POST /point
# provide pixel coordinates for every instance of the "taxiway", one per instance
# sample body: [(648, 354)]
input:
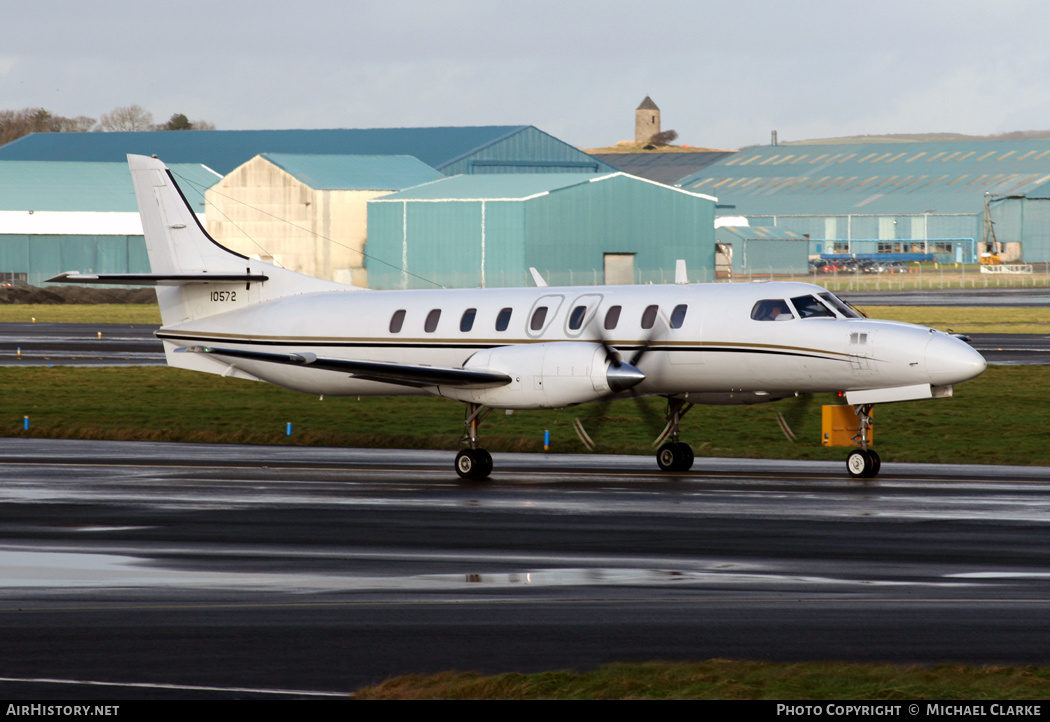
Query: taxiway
[(138, 570)]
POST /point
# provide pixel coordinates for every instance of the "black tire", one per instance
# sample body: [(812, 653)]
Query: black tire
[(473, 464), (675, 457), (686, 452), (667, 457), (876, 463)]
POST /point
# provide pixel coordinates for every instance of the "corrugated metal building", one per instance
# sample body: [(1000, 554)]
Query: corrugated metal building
[(577, 230), (307, 212), (664, 167), (57, 217), (451, 150), (892, 198), (758, 250)]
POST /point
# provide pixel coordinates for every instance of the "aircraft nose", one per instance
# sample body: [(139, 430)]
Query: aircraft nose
[(951, 361)]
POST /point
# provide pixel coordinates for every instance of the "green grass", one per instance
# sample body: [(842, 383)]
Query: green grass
[(998, 418), (144, 313), (968, 319), (723, 679)]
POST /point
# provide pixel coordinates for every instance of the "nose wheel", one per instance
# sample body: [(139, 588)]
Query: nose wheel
[(863, 463)]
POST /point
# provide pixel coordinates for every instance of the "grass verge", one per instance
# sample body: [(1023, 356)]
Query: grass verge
[(998, 418), (724, 679)]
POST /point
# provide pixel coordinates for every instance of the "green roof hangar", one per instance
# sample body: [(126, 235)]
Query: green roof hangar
[(948, 199), (470, 231)]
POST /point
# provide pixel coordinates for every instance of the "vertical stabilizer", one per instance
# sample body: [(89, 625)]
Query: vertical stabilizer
[(178, 246)]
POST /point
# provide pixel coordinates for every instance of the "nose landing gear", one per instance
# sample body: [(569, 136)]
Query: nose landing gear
[(863, 463)]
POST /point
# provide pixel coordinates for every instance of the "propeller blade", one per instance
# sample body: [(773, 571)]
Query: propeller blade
[(791, 414), (581, 432)]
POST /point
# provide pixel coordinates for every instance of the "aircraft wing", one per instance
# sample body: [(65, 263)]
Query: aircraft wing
[(386, 372)]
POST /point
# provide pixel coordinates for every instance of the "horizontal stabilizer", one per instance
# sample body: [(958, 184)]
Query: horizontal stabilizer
[(156, 279), (385, 372)]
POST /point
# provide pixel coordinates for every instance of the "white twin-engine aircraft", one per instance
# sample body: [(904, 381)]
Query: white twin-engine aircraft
[(525, 348)]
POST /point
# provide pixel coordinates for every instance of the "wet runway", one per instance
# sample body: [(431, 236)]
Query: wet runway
[(168, 570), (79, 344)]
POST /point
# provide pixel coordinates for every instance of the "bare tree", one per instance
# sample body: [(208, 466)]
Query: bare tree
[(126, 118), (16, 123)]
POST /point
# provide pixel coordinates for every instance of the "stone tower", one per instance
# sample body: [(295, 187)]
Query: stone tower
[(646, 121)]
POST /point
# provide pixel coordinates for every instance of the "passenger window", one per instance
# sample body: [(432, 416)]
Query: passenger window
[(538, 317), (678, 315), (649, 316), (467, 321), (503, 319), (576, 318), (771, 309), (810, 307), (397, 321), (612, 317), (432, 321)]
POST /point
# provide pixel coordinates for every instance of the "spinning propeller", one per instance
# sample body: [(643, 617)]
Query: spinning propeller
[(624, 376)]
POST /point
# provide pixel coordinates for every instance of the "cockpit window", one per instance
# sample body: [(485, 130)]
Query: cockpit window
[(810, 307), (772, 309), (839, 305)]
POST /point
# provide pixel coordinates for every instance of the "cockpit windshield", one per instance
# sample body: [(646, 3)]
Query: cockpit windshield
[(839, 305), (811, 307)]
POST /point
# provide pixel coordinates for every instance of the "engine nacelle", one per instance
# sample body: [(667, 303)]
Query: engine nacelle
[(547, 375)]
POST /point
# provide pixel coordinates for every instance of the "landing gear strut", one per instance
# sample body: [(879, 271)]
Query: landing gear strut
[(474, 462), (863, 463), (674, 455)]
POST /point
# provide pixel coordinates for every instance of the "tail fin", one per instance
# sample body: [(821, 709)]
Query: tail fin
[(195, 276)]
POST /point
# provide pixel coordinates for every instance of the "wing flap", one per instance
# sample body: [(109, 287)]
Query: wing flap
[(386, 372)]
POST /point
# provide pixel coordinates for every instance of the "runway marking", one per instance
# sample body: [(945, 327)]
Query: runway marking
[(188, 687)]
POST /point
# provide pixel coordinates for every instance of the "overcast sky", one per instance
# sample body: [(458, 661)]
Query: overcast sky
[(723, 73)]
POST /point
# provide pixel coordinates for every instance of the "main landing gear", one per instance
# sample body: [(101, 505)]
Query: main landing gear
[(474, 462), (863, 463), (674, 455)]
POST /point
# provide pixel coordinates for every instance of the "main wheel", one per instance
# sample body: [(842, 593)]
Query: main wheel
[(863, 463), (473, 464), (674, 456)]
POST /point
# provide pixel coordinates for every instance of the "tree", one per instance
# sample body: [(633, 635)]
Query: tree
[(16, 123), (179, 121), (661, 139), (126, 118)]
